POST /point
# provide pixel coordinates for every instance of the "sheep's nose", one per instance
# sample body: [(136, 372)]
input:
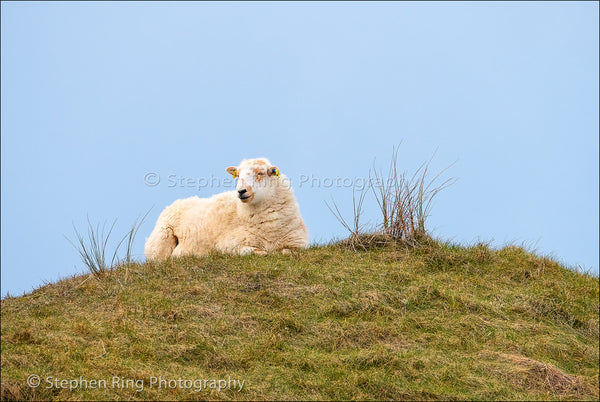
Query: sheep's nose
[(241, 192)]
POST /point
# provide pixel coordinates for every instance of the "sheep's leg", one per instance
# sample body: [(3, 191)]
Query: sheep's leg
[(245, 250), (161, 243), (181, 251)]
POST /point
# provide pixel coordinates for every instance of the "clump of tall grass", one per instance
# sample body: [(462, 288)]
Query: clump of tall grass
[(92, 247), (404, 203)]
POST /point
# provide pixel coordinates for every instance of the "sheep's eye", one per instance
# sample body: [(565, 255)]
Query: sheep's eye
[(261, 173)]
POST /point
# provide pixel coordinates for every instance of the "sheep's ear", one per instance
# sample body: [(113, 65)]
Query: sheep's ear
[(274, 170), (232, 171)]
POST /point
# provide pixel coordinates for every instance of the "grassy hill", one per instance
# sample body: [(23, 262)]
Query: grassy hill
[(437, 322)]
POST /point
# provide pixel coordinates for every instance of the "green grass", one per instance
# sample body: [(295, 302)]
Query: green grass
[(441, 321)]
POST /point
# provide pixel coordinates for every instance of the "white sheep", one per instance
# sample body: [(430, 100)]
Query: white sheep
[(261, 216)]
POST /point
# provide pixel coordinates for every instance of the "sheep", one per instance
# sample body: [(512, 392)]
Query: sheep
[(259, 217)]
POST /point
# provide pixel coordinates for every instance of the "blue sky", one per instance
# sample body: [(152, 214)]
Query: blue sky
[(97, 95)]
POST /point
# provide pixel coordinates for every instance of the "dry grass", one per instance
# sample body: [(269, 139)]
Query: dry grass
[(404, 204), (529, 373)]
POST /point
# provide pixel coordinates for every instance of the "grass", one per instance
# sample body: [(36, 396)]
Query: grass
[(404, 204), (93, 249), (389, 314), (437, 321)]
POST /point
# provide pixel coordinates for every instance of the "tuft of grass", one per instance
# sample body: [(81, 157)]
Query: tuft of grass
[(439, 322), (404, 204), (93, 248)]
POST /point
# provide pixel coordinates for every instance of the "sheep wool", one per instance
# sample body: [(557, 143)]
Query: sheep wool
[(260, 216)]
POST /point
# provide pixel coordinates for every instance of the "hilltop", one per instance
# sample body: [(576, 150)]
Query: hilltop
[(439, 321)]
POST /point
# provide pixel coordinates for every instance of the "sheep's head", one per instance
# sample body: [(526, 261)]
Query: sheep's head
[(257, 179)]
